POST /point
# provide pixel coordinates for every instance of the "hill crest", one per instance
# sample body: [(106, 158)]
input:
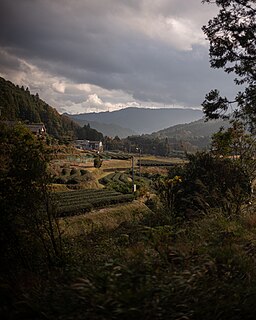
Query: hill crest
[(142, 120)]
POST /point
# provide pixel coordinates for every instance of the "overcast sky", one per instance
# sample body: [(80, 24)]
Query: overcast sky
[(99, 55)]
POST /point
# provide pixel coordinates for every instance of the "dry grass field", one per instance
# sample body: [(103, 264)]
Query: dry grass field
[(106, 218)]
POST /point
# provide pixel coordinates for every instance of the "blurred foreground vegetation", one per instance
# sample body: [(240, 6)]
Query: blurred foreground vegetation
[(190, 254)]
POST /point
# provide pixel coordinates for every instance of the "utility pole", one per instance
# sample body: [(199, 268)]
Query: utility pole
[(139, 149), (133, 184), (140, 164)]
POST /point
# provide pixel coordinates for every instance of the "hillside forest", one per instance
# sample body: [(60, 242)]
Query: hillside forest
[(18, 104)]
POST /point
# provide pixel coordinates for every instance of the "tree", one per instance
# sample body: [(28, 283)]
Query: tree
[(87, 133), (235, 142), (205, 183), (97, 162), (232, 37), (29, 232)]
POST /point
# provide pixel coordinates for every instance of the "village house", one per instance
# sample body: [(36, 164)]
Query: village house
[(89, 145), (38, 129)]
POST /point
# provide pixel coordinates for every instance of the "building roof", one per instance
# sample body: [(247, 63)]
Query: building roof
[(36, 127)]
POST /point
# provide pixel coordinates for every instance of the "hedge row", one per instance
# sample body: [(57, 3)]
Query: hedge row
[(77, 202), (154, 163), (116, 156)]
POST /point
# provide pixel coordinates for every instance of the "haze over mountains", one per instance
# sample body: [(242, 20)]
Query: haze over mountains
[(110, 130), (140, 120)]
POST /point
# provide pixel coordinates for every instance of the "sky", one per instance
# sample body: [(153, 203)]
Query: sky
[(103, 55)]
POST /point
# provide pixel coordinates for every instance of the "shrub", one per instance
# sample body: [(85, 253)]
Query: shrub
[(97, 162), (65, 171), (60, 180), (206, 182), (73, 171), (73, 181), (83, 172)]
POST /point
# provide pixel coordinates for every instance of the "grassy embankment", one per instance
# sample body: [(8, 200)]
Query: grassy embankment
[(131, 263)]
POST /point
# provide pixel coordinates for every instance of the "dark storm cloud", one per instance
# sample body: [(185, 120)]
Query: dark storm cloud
[(8, 62), (106, 43)]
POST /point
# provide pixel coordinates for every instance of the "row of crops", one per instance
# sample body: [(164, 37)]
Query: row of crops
[(117, 156), (75, 202), (71, 176), (119, 177), (154, 163), (122, 182), (118, 181)]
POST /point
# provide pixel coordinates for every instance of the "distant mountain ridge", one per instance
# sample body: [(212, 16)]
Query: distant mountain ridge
[(142, 120), (199, 128), (195, 135), (110, 130)]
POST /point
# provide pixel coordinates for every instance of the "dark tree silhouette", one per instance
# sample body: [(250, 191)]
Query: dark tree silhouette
[(232, 37)]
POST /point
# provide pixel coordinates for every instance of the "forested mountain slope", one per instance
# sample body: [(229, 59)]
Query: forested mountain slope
[(17, 103), (191, 130)]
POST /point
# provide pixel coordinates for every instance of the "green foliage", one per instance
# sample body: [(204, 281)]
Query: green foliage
[(65, 171), (73, 176), (77, 202), (154, 163), (233, 48), (73, 171), (149, 145), (222, 143), (73, 181), (97, 162), (27, 223), (83, 172), (235, 142), (204, 183), (18, 104), (145, 269), (205, 270), (122, 182), (87, 133), (118, 156)]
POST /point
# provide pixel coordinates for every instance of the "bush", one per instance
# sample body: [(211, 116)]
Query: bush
[(60, 180), (205, 183), (83, 172), (65, 171), (97, 162), (73, 171), (73, 181)]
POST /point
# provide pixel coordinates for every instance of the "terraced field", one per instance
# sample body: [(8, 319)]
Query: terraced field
[(76, 202), (118, 177), (122, 182)]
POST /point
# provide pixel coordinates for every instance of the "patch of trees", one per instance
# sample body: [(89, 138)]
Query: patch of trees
[(134, 144), (88, 133), (204, 184)]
